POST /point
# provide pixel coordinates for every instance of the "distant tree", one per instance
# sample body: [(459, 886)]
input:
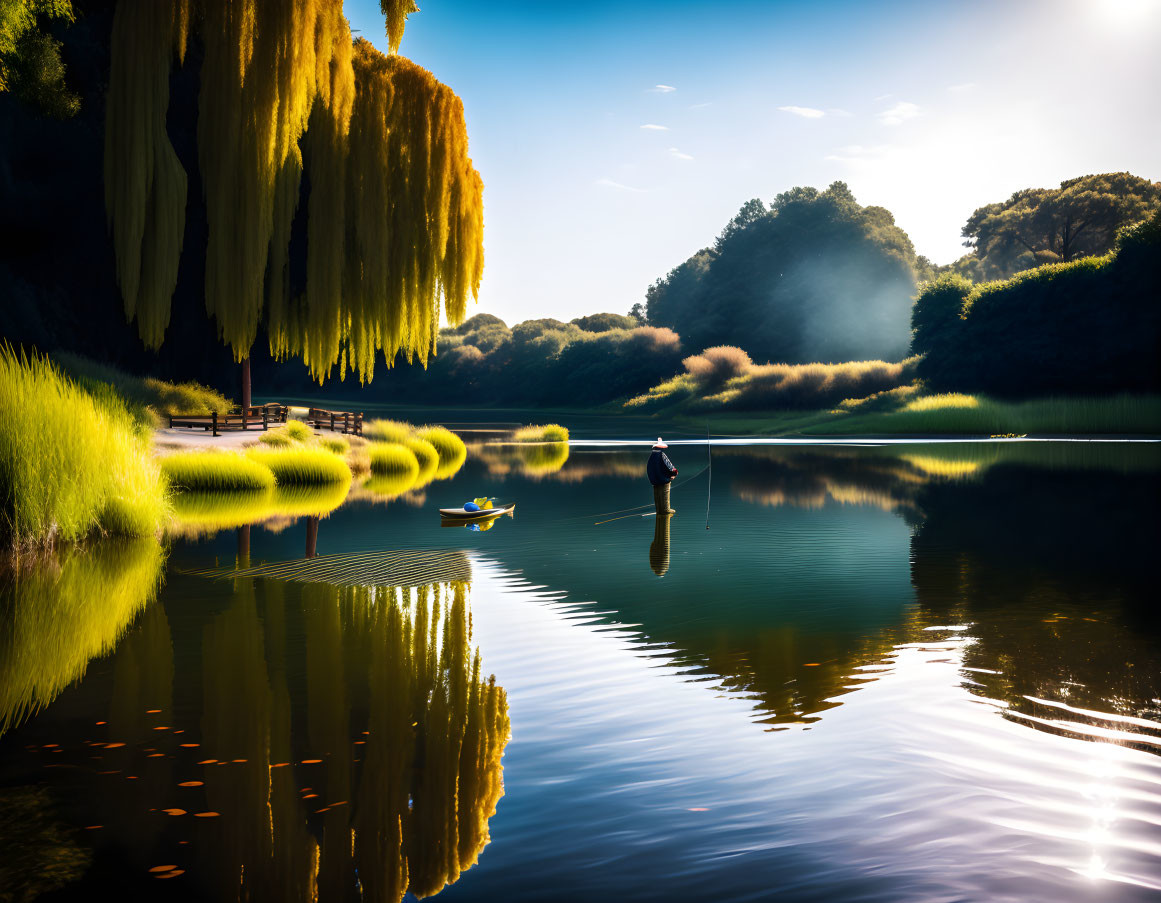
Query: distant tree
[(637, 312), (30, 62), (814, 277), (1052, 225), (604, 322), (1092, 325)]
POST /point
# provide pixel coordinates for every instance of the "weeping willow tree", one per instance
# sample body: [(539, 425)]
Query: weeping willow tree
[(394, 209)]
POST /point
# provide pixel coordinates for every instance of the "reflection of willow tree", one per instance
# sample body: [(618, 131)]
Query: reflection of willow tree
[(406, 808), (60, 610), (1055, 572), (535, 459)]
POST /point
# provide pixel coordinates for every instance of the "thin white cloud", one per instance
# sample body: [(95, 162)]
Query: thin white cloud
[(700, 106), (804, 112), (882, 97), (959, 89), (900, 113), (662, 89), (678, 155), (654, 127), (859, 153), (609, 183)]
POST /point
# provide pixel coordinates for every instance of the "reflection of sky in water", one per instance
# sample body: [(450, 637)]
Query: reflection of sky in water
[(881, 674)]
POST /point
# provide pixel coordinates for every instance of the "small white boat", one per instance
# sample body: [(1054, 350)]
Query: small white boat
[(462, 514)]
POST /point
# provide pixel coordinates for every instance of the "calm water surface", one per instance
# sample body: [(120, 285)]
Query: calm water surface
[(906, 672)]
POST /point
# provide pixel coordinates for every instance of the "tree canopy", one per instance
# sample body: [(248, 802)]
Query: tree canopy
[(30, 61), (815, 276), (1056, 225), (1087, 326), (393, 205)]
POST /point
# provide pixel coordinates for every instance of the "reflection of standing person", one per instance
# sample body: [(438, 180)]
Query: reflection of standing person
[(661, 473), (659, 548)]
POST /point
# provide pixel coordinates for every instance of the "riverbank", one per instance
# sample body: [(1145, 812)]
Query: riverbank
[(951, 415)]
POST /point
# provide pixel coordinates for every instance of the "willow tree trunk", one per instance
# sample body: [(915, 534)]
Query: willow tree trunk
[(245, 385)]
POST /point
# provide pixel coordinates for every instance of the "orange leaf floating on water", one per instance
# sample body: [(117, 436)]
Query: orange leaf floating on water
[(163, 868), (130, 777), (154, 755), (182, 843), (810, 665), (311, 761), (207, 761), (113, 745), (172, 874), (162, 727), (114, 771), (102, 722), (305, 789), (174, 811), (237, 760), (360, 742), (323, 809), (310, 796), (153, 712), (51, 745), (339, 803), (93, 827), (189, 745), (206, 814), (279, 764), (190, 784), (182, 731)]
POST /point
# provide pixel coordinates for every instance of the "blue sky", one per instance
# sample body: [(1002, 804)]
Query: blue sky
[(615, 139)]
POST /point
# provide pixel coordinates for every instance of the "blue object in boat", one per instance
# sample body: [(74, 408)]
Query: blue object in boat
[(471, 506)]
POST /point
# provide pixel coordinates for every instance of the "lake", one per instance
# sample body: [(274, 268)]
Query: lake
[(864, 671)]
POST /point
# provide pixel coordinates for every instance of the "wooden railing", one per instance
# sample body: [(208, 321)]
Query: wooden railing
[(347, 421), (263, 415)]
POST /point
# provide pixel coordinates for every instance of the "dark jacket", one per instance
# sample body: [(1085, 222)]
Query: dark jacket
[(660, 468)]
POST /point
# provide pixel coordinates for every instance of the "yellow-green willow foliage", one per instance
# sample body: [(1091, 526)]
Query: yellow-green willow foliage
[(145, 184), (411, 225), (396, 13), (395, 211)]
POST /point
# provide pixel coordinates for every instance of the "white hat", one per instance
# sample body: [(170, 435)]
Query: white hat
[(660, 444)]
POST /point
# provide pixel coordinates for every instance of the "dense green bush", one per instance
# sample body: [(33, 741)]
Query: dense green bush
[(1090, 326)]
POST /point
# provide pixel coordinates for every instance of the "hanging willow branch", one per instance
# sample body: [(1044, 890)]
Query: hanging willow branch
[(145, 185), (395, 210), (396, 13)]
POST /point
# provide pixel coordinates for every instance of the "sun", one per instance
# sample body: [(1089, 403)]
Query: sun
[(1126, 12)]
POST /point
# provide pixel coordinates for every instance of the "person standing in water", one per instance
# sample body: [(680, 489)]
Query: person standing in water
[(661, 473)]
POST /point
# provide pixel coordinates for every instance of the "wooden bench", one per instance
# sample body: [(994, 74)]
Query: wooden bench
[(347, 421), (253, 417)]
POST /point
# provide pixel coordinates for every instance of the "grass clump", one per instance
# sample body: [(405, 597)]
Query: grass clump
[(216, 471), (543, 458), (724, 379), (309, 501), (302, 466), (156, 397), (71, 463), (426, 456), (276, 439), (298, 431), (336, 445), (451, 448), (549, 432), (394, 459), (387, 430)]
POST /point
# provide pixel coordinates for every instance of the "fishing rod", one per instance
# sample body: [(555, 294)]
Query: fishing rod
[(639, 507), (709, 453)]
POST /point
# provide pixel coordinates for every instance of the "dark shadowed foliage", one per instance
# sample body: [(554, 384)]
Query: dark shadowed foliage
[(814, 277), (1089, 326), (540, 362)]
